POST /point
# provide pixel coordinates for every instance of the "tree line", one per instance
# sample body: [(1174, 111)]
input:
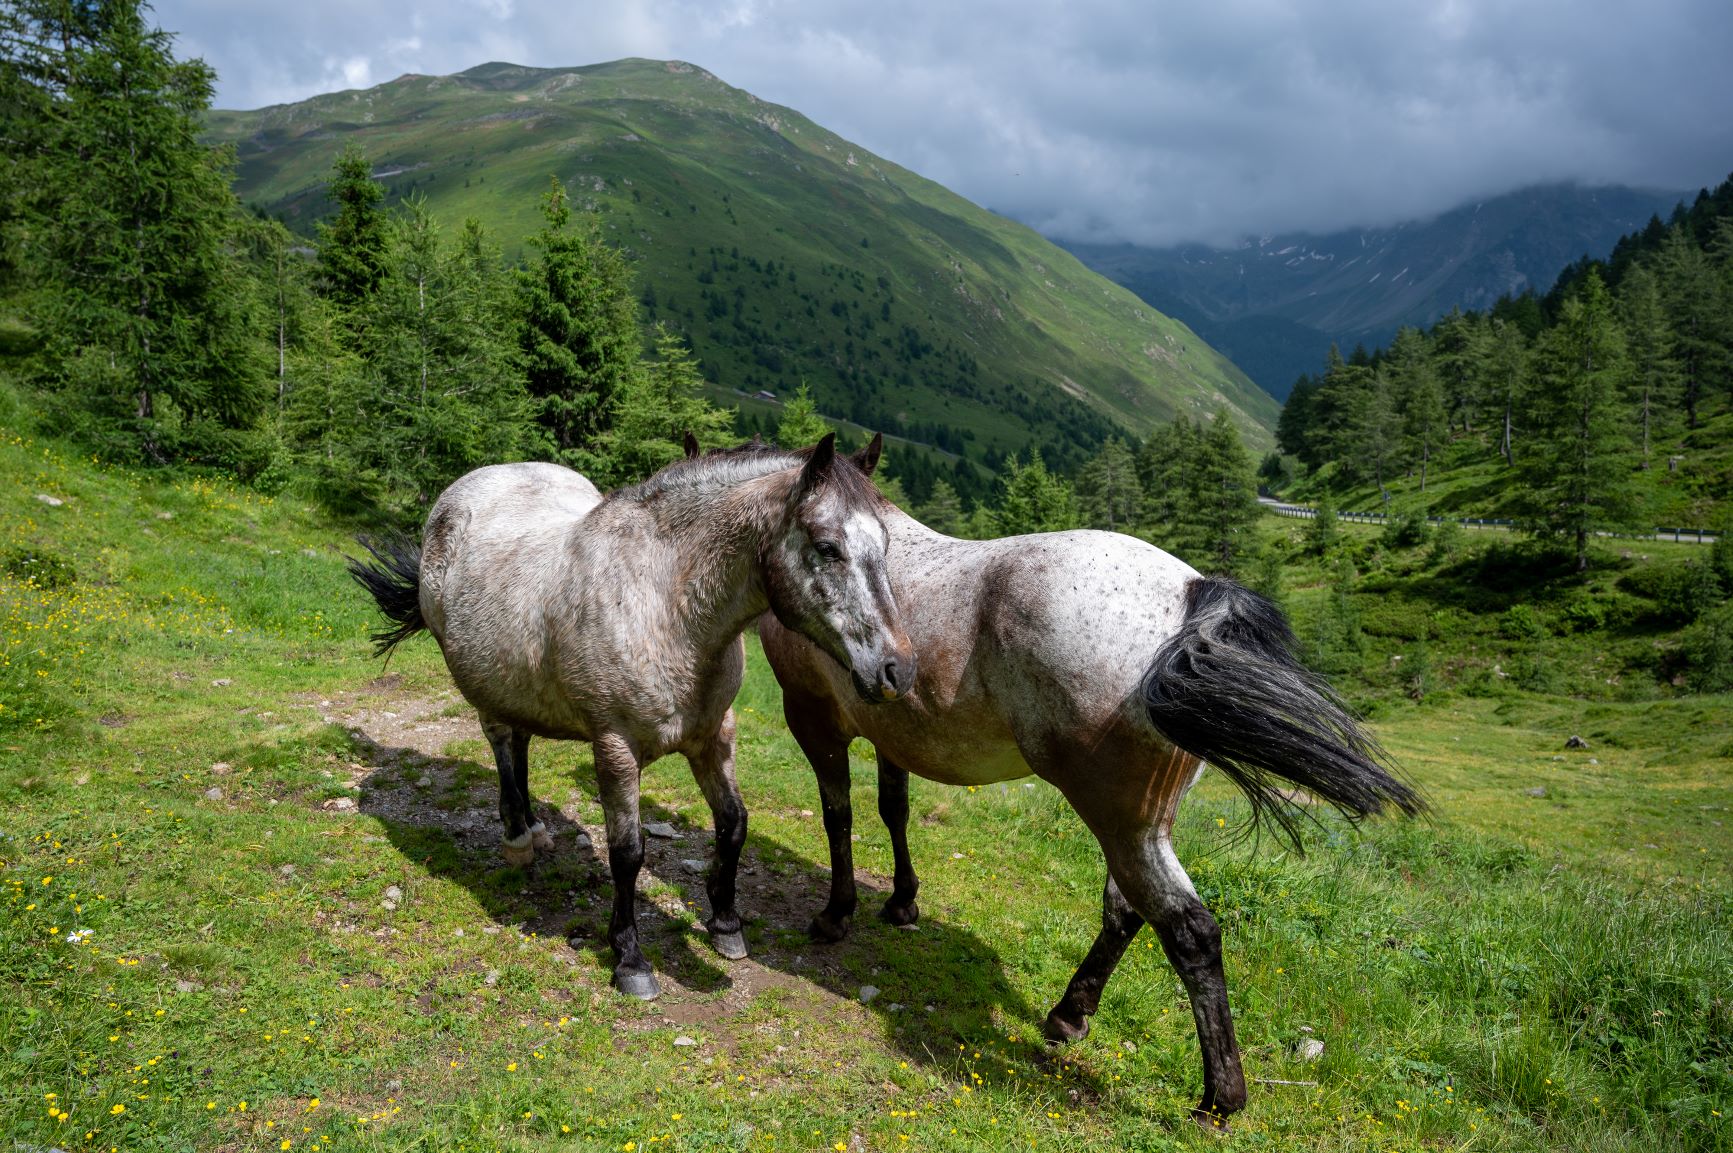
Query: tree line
[(1576, 393)]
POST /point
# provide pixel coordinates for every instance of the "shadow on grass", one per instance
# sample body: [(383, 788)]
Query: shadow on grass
[(442, 827)]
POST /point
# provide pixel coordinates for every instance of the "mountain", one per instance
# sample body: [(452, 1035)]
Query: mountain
[(1275, 304), (780, 250)]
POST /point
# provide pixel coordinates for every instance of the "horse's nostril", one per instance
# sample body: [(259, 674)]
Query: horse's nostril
[(888, 676)]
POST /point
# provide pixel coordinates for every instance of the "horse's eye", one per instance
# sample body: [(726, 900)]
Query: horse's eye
[(827, 550)]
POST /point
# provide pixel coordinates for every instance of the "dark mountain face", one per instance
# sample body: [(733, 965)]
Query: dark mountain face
[(1275, 304)]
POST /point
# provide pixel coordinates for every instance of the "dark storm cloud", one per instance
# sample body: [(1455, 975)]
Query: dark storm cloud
[(1097, 119)]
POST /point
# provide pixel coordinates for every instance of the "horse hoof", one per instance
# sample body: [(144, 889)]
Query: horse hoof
[(1062, 1032), (1210, 1121), (540, 839), (896, 914), (827, 930), (519, 856), (640, 985), (732, 946)]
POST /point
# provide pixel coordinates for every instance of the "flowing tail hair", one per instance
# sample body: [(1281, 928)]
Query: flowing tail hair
[(394, 579), (1228, 689)]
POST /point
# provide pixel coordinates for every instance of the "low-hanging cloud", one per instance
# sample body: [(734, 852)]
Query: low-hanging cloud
[(1111, 119)]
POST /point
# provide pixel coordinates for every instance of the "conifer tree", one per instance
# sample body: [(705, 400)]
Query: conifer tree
[(577, 329), (1653, 383), (1506, 371), (1168, 471), (943, 511), (1221, 522), (1458, 354), (1579, 473), (652, 411), (1033, 499), (152, 324), (1108, 491), (354, 245), (800, 426), (1419, 398), (1689, 291)]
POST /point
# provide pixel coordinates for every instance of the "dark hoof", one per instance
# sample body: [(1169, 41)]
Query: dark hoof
[(730, 945), (640, 985), (827, 929), (896, 914), (1062, 1032), (1210, 1120)]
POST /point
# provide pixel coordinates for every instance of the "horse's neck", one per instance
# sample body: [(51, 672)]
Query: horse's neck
[(717, 585)]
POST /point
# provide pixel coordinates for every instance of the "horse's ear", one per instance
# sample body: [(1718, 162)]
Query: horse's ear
[(693, 452), (818, 464), (867, 458)]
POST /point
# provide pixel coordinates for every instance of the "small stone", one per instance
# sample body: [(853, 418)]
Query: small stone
[(575, 941), (1537, 791), (165, 516), (806, 812), (661, 829), (1305, 1028), (457, 932), (692, 866), (394, 1085), (1594, 760), (213, 794), (492, 978), (867, 993), (50, 501), (286, 871), (684, 1042), (1576, 742), (1128, 1046), (423, 781), (956, 856), (929, 1009), (895, 1007), (582, 840), (220, 769), (309, 552), (1309, 1049), (339, 805), (221, 683), (393, 893), (490, 930), (388, 906), (187, 986)]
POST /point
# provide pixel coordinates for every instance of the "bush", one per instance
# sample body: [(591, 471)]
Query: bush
[(1406, 530), (38, 568), (1446, 541), (1708, 652), (1522, 623), (1582, 616)]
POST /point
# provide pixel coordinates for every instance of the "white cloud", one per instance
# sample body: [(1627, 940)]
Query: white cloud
[(1112, 118)]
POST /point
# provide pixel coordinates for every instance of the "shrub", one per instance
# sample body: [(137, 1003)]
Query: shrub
[(1406, 530), (38, 567), (1582, 616), (1446, 541), (1522, 623), (1708, 652)]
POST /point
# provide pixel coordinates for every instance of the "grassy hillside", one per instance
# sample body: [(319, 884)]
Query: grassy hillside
[(250, 899), (782, 251)]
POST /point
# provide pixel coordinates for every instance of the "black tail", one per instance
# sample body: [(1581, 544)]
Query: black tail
[(394, 579), (1228, 688)]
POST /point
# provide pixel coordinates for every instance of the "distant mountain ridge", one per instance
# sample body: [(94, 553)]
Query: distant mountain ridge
[(782, 252), (1274, 304)]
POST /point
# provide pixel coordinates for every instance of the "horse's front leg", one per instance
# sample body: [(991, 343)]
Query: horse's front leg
[(713, 766), (827, 748), (1069, 1019), (617, 773), (899, 908)]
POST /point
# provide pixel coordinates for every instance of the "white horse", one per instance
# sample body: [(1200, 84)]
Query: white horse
[(1112, 670), (617, 620)]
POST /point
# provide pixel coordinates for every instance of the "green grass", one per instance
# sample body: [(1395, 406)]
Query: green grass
[(781, 251), (1515, 973)]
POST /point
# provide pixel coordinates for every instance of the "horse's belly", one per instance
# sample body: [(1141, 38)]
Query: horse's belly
[(957, 749)]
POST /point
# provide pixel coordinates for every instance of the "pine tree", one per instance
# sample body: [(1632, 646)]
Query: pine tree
[(1507, 375), (578, 328), (1653, 383), (1033, 499), (152, 323), (1323, 530), (1167, 467), (943, 511), (1580, 471), (652, 412), (800, 426), (1458, 356), (1108, 491), (1688, 289), (1222, 521), (354, 246), (1419, 397)]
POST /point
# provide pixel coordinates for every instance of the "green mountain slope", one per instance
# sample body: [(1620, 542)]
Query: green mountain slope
[(783, 252)]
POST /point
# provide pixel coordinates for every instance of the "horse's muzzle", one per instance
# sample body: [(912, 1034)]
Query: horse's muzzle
[(896, 676)]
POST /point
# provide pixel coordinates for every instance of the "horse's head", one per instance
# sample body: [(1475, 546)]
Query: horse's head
[(825, 572)]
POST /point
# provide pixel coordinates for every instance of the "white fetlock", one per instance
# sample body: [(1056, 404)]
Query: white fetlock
[(519, 851), (540, 837)]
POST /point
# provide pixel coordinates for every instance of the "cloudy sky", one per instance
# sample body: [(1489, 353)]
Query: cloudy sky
[(1110, 119)]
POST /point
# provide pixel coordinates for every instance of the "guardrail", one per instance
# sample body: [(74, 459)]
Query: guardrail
[(1680, 535)]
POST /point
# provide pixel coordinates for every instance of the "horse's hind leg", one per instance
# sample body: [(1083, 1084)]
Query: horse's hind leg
[(900, 908), (617, 772), (713, 765), (1069, 1019), (511, 757), (520, 756)]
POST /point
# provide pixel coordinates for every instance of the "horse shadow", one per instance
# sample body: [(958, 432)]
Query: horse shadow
[(938, 984)]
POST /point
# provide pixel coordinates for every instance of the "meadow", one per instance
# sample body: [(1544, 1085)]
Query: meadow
[(251, 897)]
